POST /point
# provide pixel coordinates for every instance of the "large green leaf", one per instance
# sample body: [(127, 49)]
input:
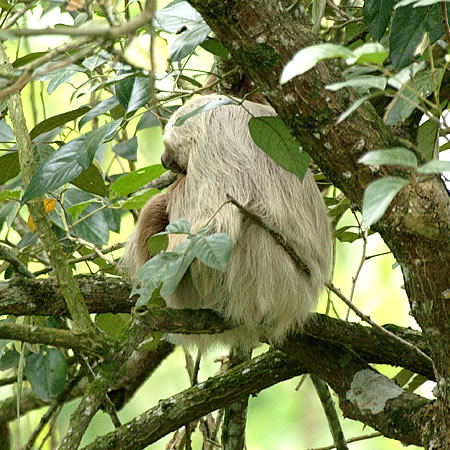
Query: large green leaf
[(410, 95), (9, 166), (53, 122), (68, 162), (148, 120), (127, 149), (435, 166), (6, 134), (273, 137), (188, 41), (378, 197), (426, 138), (47, 372), (377, 14), (94, 223), (91, 180), (93, 140), (362, 83), (398, 156), (213, 250), (407, 29), (132, 93), (97, 110), (138, 201), (132, 181), (308, 57), (59, 169)]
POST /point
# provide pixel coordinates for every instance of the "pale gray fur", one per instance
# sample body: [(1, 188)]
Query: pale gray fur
[(262, 290)]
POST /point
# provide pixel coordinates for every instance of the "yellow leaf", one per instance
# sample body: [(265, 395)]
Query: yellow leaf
[(49, 206)]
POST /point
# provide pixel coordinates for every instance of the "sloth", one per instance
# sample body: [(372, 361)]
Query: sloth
[(262, 291)]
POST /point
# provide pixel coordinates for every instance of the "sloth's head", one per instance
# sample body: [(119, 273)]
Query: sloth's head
[(194, 133)]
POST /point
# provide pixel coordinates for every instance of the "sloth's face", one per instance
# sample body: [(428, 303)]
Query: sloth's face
[(170, 163)]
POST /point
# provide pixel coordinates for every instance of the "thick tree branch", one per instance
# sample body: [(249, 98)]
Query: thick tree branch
[(51, 336), (20, 296), (394, 412)]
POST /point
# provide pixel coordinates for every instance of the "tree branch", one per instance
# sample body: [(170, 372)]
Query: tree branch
[(20, 296)]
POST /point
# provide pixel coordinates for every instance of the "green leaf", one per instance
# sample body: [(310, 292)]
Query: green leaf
[(9, 195), (371, 53), (6, 134), (346, 236), (148, 120), (407, 29), (113, 324), (59, 77), (274, 138), (127, 149), (410, 95), (352, 108), (378, 197), (68, 162), (93, 140), (97, 110), (9, 359), (377, 14), (215, 47), (416, 382), (166, 268), (26, 59), (9, 167), (403, 377), (177, 15), (213, 104), (398, 156), (59, 169), (426, 138), (435, 166), (132, 93), (47, 372), (138, 201), (76, 210), (54, 122), (95, 221), (132, 181), (177, 270), (362, 83), (308, 57), (181, 226), (158, 243), (91, 180), (213, 250), (188, 41)]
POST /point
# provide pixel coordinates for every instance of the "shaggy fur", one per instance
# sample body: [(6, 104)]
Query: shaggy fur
[(261, 291)]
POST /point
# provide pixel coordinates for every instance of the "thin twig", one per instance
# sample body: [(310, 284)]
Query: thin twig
[(445, 21), (278, 237), (330, 412), (20, 268), (367, 319), (353, 439), (358, 270)]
